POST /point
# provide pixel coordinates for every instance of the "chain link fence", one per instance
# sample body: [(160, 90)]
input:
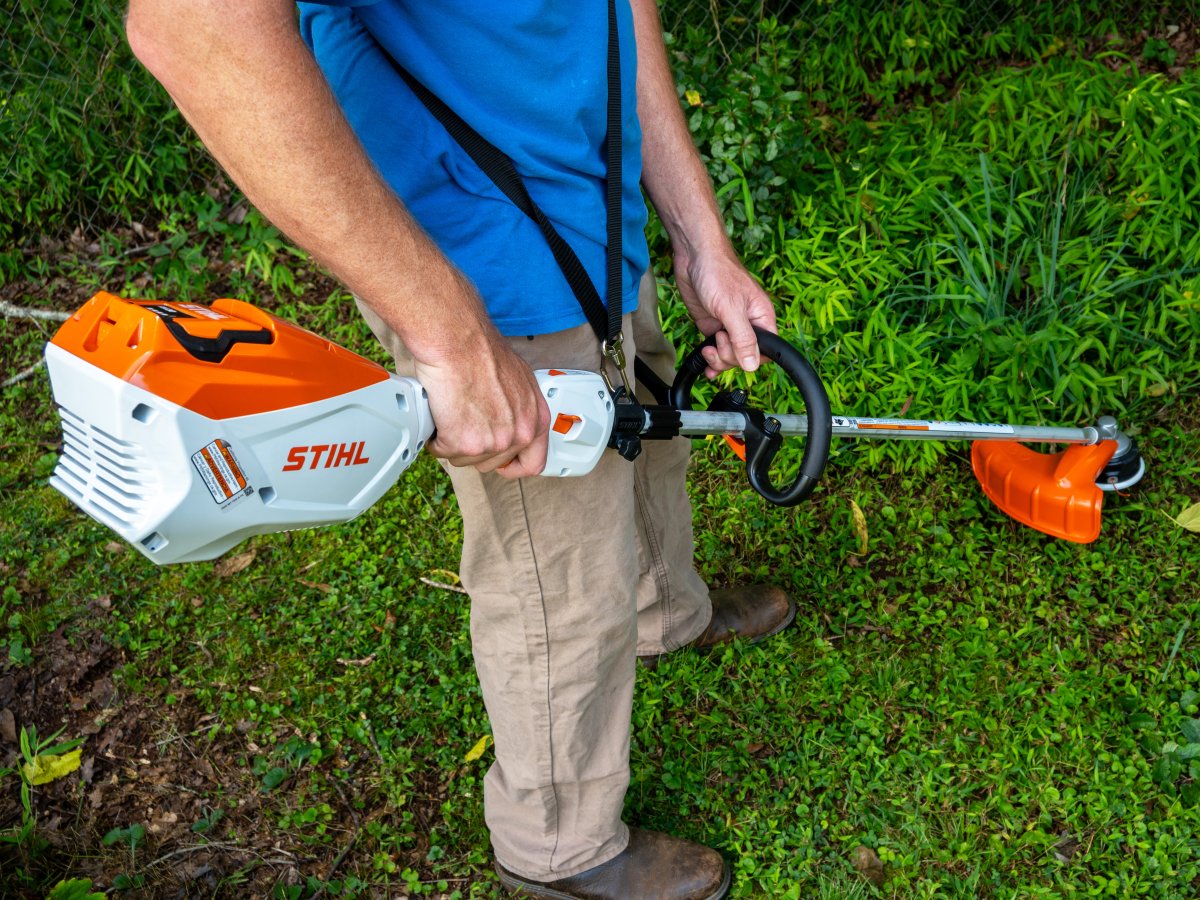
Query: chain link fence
[(87, 138)]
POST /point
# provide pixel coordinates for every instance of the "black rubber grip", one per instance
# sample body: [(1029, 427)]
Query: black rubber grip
[(761, 449), (214, 349)]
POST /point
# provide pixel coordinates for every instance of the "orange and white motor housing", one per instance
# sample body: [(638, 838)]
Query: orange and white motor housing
[(188, 428)]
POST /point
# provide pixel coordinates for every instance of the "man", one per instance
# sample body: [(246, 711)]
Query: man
[(569, 578)]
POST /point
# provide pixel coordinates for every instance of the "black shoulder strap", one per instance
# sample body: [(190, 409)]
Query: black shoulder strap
[(605, 322), (500, 169)]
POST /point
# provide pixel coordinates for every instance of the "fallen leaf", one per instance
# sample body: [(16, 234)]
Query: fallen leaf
[(114, 547), (1190, 518), (868, 864), (231, 565), (477, 751), (8, 726), (437, 584), (45, 769), (860, 527), (1066, 847), (446, 575)]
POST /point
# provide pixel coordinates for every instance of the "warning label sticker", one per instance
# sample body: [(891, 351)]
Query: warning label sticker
[(221, 472)]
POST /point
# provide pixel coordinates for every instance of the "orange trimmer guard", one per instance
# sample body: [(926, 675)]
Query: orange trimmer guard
[(1055, 493)]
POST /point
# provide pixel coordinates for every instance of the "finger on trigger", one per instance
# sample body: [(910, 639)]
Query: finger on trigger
[(530, 461), (495, 463), (745, 346)]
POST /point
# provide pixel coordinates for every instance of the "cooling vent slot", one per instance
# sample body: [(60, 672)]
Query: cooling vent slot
[(108, 477)]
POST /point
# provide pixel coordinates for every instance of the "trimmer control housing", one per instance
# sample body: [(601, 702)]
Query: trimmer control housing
[(188, 428)]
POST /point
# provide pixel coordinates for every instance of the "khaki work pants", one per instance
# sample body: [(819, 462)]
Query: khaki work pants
[(569, 578)]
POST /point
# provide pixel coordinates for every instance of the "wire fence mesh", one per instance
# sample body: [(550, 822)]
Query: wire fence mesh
[(86, 135), (88, 138)]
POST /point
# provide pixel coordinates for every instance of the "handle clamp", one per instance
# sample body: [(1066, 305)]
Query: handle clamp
[(762, 432)]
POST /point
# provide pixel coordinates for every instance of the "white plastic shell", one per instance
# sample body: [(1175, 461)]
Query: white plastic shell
[(581, 420), (180, 486)]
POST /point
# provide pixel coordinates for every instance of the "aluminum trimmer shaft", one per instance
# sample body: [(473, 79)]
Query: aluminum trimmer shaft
[(1125, 469), (696, 423)]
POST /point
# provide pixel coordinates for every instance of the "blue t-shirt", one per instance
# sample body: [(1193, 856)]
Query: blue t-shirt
[(531, 77)]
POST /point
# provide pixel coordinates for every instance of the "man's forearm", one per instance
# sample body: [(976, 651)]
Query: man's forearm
[(724, 300), (672, 171), (244, 80)]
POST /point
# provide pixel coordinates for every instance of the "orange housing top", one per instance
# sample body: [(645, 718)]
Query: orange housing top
[(222, 361)]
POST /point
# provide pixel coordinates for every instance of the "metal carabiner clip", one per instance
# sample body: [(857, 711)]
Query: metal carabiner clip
[(613, 351)]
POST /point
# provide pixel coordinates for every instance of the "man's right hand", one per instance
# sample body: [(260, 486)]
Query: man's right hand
[(488, 411)]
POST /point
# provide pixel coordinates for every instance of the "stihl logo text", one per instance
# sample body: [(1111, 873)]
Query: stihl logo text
[(326, 456)]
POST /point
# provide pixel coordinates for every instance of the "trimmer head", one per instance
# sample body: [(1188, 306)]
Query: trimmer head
[(1060, 494)]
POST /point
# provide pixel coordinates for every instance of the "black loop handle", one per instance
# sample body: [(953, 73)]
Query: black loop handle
[(761, 447)]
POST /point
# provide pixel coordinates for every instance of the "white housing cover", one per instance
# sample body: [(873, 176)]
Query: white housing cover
[(180, 486), (581, 420)]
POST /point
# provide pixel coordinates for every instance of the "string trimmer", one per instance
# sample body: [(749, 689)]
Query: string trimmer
[(188, 428)]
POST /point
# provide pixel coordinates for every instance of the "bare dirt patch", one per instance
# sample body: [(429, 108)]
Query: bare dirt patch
[(210, 828)]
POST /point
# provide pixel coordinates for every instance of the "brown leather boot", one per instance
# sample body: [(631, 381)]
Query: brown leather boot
[(654, 866), (751, 613)]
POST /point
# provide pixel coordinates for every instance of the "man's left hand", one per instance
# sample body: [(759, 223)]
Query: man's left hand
[(724, 300)]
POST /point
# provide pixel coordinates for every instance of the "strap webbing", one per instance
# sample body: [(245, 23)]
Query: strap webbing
[(500, 169), (612, 177)]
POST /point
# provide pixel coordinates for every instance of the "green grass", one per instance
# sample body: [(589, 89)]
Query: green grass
[(960, 702), (1005, 228), (962, 699)]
